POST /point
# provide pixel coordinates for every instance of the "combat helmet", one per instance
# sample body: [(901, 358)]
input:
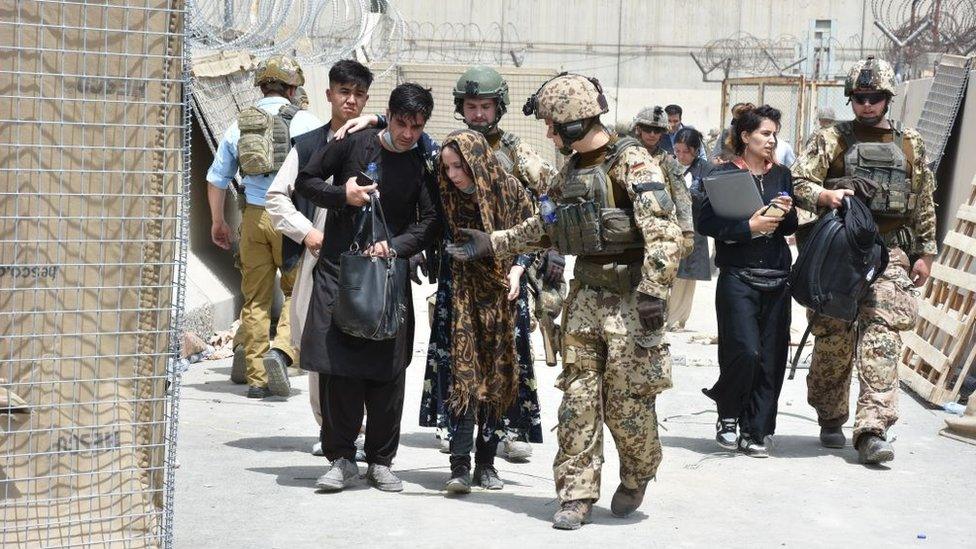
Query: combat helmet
[(651, 117), (572, 103), (481, 82), (279, 68), (870, 75)]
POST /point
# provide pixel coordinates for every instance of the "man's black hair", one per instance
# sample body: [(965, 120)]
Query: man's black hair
[(410, 99), (350, 71), (673, 109)]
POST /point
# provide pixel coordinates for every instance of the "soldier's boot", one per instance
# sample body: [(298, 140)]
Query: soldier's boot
[(872, 449), (626, 500), (572, 514), (832, 437), (238, 366)]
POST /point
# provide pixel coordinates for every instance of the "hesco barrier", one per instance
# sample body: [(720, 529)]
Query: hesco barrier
[(93, 145)]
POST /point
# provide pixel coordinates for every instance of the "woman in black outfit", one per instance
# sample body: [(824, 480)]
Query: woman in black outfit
[(752, 301)]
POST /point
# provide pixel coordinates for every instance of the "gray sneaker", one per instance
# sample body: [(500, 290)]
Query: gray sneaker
[(361, 448), (487, 477), (338, 476), (383, 478), (516, 451), (276, 367)]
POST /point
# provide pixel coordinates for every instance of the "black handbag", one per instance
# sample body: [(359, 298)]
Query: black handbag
[(371, 302)]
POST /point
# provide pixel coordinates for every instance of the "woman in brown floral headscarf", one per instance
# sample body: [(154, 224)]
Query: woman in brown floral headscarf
[(484, 377)]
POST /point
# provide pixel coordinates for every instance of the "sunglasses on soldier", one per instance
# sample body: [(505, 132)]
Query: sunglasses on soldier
[(872, 98)]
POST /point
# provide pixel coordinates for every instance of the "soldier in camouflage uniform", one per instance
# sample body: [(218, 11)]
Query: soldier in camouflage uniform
[(481, 98), (613, 211), (870, 147)]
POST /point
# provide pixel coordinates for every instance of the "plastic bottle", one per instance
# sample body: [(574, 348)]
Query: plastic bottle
[(373, 172), (548, 210), (954, 408)]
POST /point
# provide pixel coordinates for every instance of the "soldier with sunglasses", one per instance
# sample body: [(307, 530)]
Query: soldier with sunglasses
[(893, 161)]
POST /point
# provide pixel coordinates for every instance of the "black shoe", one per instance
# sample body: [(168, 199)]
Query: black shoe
[(487, 477), (276, 367), (258, 392), (872, 449), (625, 500), (832, 437), (460, 481)]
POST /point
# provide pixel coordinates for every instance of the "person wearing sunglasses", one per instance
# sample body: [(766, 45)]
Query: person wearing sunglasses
[(892, 160)]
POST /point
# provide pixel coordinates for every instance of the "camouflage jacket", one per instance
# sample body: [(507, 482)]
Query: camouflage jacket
[(654, 214), (825, 148), (674, 178), (528, 165)]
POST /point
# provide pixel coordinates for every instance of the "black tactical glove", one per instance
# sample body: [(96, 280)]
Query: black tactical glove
[(476, 245), (650, 310), (418, 266), (555, 266)]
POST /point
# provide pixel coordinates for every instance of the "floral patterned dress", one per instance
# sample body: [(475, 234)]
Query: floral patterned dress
[(522, 421)]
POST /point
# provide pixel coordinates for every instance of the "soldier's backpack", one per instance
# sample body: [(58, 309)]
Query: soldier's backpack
[(840, 259), (265, 139)]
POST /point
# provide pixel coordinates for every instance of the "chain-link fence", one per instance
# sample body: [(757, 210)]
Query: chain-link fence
[(796, 97), (222, 86), (93, 134)]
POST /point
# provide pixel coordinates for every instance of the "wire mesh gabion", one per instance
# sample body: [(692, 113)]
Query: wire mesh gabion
[(93, 228)]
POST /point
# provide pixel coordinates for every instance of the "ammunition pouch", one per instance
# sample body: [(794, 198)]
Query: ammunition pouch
[(901, 237), (620, 278), (577, 228)]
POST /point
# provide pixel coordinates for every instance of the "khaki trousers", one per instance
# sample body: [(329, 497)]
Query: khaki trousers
[(260, 250)]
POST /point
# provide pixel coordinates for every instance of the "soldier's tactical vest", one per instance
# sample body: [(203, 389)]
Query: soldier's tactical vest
[(587, 220), (265, 139), (885, 163), (506, 151)]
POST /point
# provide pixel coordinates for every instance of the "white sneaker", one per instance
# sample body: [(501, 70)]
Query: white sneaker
[(340, 473), (752, 448), (317, 449), (516, 450), (725, 433), (443, 440)]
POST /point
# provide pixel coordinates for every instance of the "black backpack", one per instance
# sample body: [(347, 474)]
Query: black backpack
[(840, 259)]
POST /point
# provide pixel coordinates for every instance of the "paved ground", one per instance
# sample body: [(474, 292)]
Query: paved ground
[(246, 477)]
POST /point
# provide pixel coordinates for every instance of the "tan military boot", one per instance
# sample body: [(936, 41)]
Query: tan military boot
[(626, 500), (572, 514)]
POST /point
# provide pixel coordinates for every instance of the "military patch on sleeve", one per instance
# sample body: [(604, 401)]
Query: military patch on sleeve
[(645, 187)]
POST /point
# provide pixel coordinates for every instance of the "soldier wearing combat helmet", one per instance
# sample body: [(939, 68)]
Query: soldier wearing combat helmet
[(609, 206), (256, 145), (481, 98), (893, 168)]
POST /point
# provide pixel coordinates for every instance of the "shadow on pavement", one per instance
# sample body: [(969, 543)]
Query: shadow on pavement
[(299, 476), (792, 446), (420, 439), (275, 444)]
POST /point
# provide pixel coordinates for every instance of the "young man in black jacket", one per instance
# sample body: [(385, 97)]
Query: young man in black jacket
[(355, 372)]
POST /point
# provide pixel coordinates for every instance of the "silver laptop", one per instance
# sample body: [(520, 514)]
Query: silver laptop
[(733, 194)]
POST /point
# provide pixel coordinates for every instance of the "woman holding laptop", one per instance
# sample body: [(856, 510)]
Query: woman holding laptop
[(752, 301)]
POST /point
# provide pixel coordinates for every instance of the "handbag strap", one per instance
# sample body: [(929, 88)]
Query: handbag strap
[(377, 219)]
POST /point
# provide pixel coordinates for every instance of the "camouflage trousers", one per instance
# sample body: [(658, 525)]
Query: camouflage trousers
[(613, 370), (874, 342)]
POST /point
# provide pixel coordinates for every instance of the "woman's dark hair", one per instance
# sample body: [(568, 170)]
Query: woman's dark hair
[(349, 71), (464, 163), (690, 137), (409, 99), (749, 121)]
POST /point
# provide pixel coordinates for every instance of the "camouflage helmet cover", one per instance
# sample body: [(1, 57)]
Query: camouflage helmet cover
[(279, 68), (481, 82), (651, 117), (870, 75), (568, 98)]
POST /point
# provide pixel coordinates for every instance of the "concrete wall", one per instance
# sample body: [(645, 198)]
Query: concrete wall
[(653, 40), (958, 167)]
